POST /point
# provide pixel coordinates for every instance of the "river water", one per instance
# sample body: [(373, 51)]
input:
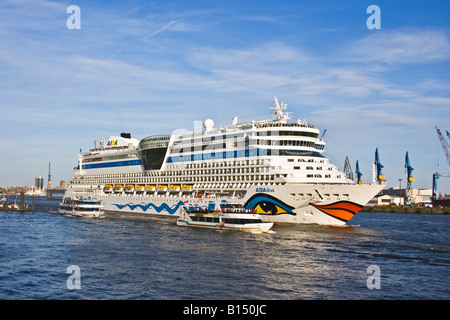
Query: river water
[(378, 256)]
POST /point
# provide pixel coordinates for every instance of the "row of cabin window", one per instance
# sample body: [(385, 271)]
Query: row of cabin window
[(293, 143), (227, 137), (217, 146), (226, 220), (312, 168)]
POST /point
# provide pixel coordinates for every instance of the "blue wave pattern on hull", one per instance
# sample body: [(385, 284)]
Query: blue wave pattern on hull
[(145, 207)]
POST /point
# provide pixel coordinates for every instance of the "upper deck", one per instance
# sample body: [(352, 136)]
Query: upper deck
[(275, 150), (276, 137)]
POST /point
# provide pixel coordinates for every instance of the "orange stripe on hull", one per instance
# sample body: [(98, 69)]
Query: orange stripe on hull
[(341, 205), (340, 214), (340, 210)]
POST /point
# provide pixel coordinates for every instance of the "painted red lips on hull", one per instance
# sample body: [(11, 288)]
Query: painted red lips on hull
[(342, 210)]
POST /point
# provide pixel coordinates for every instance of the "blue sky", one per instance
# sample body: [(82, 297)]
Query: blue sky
[(150, 67)]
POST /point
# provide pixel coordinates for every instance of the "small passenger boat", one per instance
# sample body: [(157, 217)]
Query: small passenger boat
[(227, 218), (81, 207)]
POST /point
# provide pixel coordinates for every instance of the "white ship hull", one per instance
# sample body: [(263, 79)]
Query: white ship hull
[(72, 213), (311, 204), (273, 167)]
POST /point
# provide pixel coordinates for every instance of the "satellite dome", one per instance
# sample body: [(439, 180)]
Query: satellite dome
[(209, 124)]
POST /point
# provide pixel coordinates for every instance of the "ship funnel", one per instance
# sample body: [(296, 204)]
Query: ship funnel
[(126, 135), (235, 120)]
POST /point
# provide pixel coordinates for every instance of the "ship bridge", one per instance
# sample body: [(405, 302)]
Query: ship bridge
[(153, 150)]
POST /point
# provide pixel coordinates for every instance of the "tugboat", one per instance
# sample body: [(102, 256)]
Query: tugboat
[(228, 217), (81, 207)]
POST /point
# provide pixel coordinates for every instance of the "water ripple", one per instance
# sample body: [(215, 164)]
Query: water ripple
[(135, 257)]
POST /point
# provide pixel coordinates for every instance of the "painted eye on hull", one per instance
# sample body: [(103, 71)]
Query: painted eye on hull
[(267, 204), (265, 207)]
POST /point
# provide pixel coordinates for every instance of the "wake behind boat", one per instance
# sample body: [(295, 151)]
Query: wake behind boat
[(229, 217), (81, 207)]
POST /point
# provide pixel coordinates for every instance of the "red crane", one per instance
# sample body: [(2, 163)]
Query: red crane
[(444, 145)]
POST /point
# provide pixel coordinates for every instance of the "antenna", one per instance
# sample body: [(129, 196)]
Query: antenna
[(279, 115), (323, 134)]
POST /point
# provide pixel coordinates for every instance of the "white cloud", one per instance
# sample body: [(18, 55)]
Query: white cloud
[(269, 56), (32, 15), (401, 46), (437, 101), (279, 67)]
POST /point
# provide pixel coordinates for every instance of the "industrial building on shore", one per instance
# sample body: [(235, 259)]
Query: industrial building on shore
[(398, 197)]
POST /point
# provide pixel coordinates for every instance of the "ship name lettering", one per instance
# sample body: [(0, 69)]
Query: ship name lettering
[(264, 190)]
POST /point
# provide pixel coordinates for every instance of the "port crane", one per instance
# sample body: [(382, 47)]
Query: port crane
[(358, 173), (410, 179), (348, 169), (49, 181), (444, 144), (436, 175), (378, 166)]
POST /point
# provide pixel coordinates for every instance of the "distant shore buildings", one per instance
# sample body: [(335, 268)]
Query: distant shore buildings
[(39, 183), (36, 190), (397, 196)]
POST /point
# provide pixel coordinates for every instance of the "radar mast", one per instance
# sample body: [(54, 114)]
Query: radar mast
[(279, 115)]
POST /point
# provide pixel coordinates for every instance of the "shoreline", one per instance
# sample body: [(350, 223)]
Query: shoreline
[(419, 210)]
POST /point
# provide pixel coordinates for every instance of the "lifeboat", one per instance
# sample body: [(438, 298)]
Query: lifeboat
[(129, 188), (187, 188), (174, 188), (118, 188), (161, 188), (150, 188), (139, 188), (108, 188)]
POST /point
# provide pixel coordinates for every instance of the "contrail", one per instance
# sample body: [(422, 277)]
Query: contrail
[(161, 29)]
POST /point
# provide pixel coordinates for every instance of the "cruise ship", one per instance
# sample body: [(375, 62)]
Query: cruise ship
[(275, 168)]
